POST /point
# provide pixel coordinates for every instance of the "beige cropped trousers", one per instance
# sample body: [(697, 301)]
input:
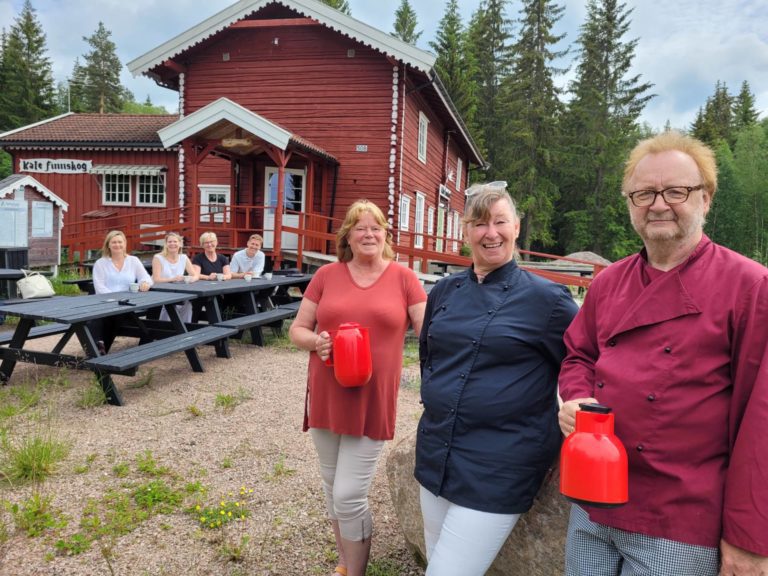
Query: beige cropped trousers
[(347, 465)]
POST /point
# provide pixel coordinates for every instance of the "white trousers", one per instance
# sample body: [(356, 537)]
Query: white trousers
[(461, 541), (347, 465)]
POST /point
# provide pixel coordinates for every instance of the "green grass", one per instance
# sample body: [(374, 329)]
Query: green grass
[(31, 458), (36, 515), (230, 401), (92, 395)]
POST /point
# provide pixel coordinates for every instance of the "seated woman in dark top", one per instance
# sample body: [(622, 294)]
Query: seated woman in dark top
[(490, 348), (208, 264)]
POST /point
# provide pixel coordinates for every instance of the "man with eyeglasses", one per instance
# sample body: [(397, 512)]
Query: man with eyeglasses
[(675, 340)]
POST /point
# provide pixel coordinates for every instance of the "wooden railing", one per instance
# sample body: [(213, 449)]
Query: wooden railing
[(316, 233)]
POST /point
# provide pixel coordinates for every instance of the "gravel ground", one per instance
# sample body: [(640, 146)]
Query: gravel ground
[(257, 445)]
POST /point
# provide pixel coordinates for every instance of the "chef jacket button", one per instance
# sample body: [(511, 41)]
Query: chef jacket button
[(461, 376), (430, 366), (443, 307), (423, 430), (600, 384), (474, 342), (506, 287), (446, 444), (490, 311), (640, 447), (453, 410), (651, 397), (612, 342), (667, 349)]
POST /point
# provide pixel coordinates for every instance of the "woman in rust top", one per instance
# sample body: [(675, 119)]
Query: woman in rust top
[(349, 425)]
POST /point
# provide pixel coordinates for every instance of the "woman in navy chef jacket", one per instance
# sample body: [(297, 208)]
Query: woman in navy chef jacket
[(490, 348)]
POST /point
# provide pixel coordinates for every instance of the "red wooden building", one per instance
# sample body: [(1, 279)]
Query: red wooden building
[(287, 104)]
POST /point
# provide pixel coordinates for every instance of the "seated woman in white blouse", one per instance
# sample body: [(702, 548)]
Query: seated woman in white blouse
[(115, 271), (169, 266)]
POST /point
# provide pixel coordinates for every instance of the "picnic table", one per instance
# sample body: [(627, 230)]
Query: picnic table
[(70, 316), (262, 301)]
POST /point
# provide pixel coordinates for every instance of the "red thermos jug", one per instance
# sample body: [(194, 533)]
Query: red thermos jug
[(351, 355), (593, 461)]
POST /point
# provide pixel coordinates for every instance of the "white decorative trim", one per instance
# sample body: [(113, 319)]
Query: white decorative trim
[(325, 15), (224, 109), (14, 184), (182, 87), (182, 184)]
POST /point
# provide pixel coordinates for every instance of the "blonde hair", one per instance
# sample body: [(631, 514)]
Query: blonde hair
[(256, 237), (105, 250), (164, 251), (355, 212), (673, 140), (208, 236)]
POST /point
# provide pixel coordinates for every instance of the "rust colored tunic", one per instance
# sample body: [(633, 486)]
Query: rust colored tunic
[(382, 307)]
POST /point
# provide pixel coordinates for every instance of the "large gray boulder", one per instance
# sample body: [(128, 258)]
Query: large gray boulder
[(537, 544)]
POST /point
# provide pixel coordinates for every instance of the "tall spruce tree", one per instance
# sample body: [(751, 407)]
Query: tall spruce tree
[(340, 5), (725, 221), (716, 121), (489, 43), (27, 94), (531, 112), (102, 91), (455, 66), (405, 23), (601, 126), (744, 112)]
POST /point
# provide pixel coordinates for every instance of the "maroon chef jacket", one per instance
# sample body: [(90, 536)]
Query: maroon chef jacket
[(681, 357)]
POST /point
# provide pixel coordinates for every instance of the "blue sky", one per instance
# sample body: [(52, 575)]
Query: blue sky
[(685, 46)]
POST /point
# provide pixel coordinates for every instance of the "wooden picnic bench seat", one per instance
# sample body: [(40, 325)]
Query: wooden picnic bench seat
[(37, 331), (272, 318), (125, 362)]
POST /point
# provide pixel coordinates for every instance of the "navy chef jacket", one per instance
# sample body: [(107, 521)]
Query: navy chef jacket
[(490, 357)]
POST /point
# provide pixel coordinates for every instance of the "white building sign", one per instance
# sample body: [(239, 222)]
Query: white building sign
[(55, 166)]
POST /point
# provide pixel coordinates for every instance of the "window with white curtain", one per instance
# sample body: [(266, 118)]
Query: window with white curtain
[(459, 170), (418, 226), (423, 129), (405, 212)]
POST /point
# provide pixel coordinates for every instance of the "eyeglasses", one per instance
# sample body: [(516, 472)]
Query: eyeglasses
[(475, 188), (671, 195)]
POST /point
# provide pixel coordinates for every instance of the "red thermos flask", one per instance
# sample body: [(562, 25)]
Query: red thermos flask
[(593, 461), (351, 355)]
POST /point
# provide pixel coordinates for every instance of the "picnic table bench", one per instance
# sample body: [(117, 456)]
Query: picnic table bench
[(272, 318), (126, 362), (37, 332)]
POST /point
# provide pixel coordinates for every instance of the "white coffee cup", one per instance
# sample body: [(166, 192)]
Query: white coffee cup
[(219, 277), (268, 275), (187, 279), (133, 287), (248, 277)]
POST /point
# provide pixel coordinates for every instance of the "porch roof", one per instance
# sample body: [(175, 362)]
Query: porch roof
[(236, 128), (128, 169), (9, 185)]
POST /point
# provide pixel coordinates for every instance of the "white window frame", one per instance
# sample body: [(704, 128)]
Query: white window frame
[(156, 182), (430, 221), (113, 184), (221, 210), (405, 212), (456, 230), (418, 226), (423, 131), (459, 171)]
